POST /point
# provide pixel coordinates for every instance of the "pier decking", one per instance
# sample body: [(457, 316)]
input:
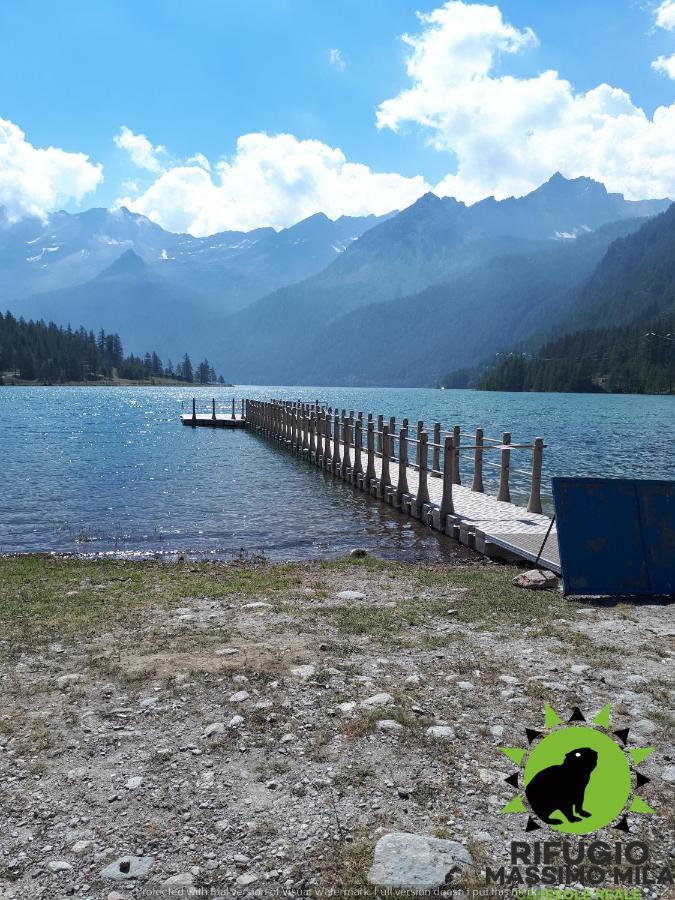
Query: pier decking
[(428, 489)]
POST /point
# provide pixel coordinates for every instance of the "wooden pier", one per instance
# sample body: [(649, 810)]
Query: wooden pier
[(214, 419), (414, 470), (429, 489)]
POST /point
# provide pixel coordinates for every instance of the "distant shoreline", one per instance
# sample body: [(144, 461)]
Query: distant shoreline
[(112, 383)]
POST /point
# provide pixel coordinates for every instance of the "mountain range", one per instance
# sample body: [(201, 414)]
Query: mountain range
[(394, 300)]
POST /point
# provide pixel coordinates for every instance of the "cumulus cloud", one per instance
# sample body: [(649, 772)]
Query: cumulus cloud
[(35, 180), (139, 148), (509, 134), (665, 15), (666, 65), (272, 180), (336, 59)]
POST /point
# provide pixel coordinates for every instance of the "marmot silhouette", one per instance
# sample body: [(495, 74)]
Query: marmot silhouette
[(563, 787)]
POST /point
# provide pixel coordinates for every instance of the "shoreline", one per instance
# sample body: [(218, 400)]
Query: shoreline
[(163, 383), (275, 721)]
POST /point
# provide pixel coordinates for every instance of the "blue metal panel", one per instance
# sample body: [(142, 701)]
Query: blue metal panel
[(616, 536)]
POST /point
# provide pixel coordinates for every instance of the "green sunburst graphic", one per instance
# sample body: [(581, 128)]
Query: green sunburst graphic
[(577, 777)]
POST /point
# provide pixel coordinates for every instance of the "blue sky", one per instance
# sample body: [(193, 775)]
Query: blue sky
[(195, 77)]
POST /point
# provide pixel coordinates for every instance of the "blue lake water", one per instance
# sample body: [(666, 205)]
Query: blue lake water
[(111, 470)]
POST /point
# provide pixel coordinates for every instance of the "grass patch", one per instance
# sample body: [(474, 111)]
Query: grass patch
[(45, 597)]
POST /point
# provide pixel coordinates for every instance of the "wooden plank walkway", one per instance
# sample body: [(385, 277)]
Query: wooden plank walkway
[(490, 526)]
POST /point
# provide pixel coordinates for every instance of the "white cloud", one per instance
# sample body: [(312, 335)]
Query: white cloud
[(666, 65), (336, 59), (34, 180), (272, 180), (139, 148), (509, 134), (665, 15)]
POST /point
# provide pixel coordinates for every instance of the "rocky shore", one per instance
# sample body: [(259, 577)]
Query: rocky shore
[(246, 729)]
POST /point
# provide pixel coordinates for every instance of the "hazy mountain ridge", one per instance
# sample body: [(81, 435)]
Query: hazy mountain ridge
[(438, 286)]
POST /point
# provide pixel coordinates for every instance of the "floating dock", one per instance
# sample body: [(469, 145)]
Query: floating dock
[(214, 419)]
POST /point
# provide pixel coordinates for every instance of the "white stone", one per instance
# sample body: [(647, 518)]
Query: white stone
[(134, 782), (287, 738), (376, 700), (497, 730), (389, 725), (303, 672), (347, 708), (239, 696), (465, 685), (213, 729), (413, 679), (351, 595), (185, 879), (59, 865), (259, 606), (668, 774), (415, 862), (536, 580), (579, 668), (146, 702), (508, 679), (65, 681), (441, 732), (235, 722), (227, 651), (79, 848), (246, 879)]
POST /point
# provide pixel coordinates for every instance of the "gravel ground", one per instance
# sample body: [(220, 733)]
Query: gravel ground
[(256, 727)]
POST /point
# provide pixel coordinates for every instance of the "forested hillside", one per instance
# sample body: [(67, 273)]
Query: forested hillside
[(34, 351), (624, 360), (633, 290)]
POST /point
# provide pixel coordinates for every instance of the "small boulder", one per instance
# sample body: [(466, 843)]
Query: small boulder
[(536, 580), (303, 672), (59, 865), (213, 729), (351, 595), (390, 725), (441, 732), (358, 552), (376, 700), (134, 783), (416, 862), (239, 696)]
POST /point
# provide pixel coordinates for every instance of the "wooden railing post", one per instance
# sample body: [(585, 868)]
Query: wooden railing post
[(420, 429), (194, 412), (534, 503), (319, 436), (346, 460), (357, 470), (233, 413), (378, 442), (370, 446), (478, 463), (423, 488), (456, 440), (436, 452), (312, 431), (326, 439), (447, 506), (336, 444), (385, 478), (504, 492), (402, 486), (213, 409)]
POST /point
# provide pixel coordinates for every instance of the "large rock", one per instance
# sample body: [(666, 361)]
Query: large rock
[(536, 580), (415, 861), (127, 867)]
